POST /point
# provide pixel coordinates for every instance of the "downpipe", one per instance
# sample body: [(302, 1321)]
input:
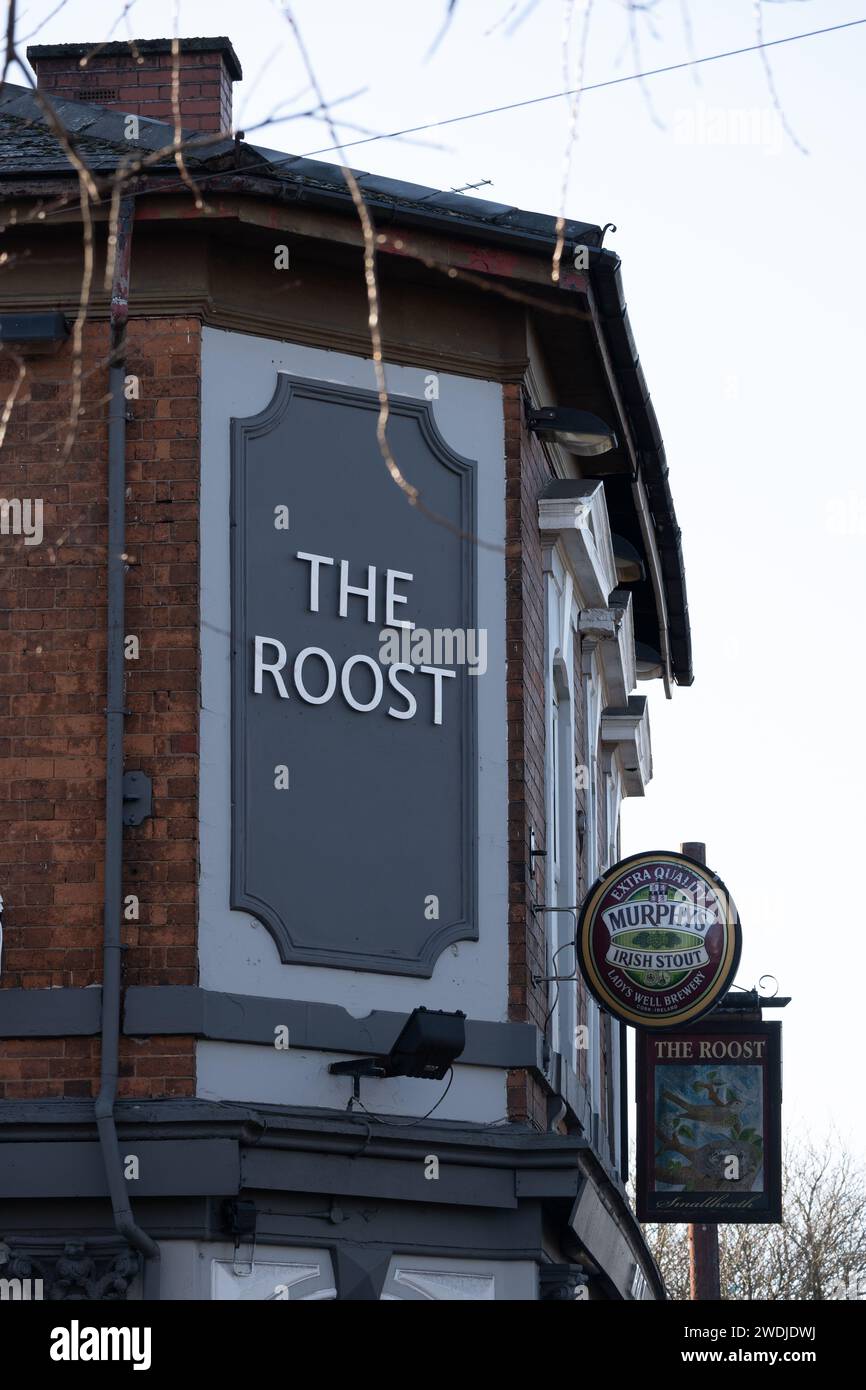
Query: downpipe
[(115, 712)]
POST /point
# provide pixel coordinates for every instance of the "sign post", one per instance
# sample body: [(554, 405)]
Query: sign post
[(704, 1281), (704, 1277)]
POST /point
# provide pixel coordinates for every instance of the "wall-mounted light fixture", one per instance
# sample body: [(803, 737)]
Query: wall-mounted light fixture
[(32, 334), (429, 1042), (648, 662), (578, 431), (630, 568)]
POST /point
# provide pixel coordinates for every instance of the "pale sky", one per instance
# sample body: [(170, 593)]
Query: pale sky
[(744, 273)]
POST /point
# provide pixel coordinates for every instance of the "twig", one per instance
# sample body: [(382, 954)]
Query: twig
[(571, 139), (175, 110), (771, 83)]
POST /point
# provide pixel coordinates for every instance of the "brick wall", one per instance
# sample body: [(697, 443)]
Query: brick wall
[(581, 803), (52, 699), (527, 472), (116, 77)]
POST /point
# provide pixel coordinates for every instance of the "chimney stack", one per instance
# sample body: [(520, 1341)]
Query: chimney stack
[(135, 77)]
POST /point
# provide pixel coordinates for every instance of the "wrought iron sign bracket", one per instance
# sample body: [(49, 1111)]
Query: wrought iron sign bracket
[(561, 979)]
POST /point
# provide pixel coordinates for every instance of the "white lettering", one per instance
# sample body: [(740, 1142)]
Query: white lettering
[(411, 702), (368, 592), (391, 598), (377, 682), (315, 561), (274, 668), (438, 674), (299, 676)]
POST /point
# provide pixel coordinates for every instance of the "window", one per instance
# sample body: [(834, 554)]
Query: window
[(563, 867)]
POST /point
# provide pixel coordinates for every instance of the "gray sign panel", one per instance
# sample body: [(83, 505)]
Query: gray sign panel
[(353, 753)]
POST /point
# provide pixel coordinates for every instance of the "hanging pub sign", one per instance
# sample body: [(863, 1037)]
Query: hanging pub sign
[(658, 939), (709, 1103), (354, 834)]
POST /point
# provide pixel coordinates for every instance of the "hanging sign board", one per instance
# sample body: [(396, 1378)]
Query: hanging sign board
[(709, 1103), (658, 939)]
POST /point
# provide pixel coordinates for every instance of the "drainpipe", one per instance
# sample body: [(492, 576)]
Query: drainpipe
[(114, 715)]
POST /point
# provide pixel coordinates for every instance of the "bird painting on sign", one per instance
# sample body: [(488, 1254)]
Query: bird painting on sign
[(709, 1123), (695, 1138)]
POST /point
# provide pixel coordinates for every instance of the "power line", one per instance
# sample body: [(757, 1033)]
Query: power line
[(530, 101), (590, 87)]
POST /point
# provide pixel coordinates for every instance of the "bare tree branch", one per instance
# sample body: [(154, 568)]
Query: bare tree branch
[(771, 83), (817, 1252), (571, 138), (178, 132)]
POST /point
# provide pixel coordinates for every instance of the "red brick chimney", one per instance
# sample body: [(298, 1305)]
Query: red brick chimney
[(136, 77)]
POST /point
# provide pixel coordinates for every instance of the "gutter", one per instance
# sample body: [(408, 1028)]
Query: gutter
[(651, 489), (647, 530), (114, 716)]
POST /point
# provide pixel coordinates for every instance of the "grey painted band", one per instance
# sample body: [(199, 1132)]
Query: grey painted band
[(166, 1168), (50, 1013), (285, 1160), (247, 1018)]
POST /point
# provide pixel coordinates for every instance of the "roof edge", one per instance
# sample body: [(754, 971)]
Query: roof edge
[(604, 267)]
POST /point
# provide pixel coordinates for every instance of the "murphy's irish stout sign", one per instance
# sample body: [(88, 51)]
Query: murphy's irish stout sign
[(658, 940), (353, 723), (709, 1123)]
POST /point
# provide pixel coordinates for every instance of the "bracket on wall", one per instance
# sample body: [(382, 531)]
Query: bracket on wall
[(240, 1216), (580, 826), (535, 909), (137, 798), (356, 1068), (534, 852)]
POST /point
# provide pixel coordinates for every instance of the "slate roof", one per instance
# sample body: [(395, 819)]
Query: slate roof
[(28, 146)]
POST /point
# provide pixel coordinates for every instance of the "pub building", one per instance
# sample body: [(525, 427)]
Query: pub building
[(304, 774)]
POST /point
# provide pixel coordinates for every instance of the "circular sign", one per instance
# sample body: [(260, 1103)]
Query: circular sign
[(658, 939)]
